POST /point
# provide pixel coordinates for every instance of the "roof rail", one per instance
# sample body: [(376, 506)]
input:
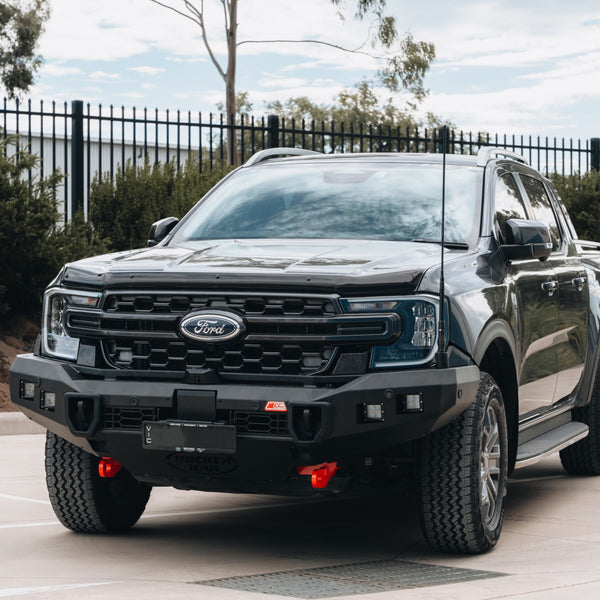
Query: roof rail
[(486, 154), (272, 152), (587, 244)]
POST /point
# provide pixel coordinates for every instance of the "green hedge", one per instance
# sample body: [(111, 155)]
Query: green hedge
[(581, 195), (33, 247), (122, 211)]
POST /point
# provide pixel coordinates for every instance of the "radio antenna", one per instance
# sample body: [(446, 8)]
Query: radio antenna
[(441, 356)]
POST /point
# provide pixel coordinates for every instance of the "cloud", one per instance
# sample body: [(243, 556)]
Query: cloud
[(185, 60), (104, 76), (542, 107), (514, 34), (114, 29), (274, 81), (58, 70), (147, 70)]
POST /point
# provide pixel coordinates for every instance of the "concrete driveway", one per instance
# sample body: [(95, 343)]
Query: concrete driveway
[(205, 545)]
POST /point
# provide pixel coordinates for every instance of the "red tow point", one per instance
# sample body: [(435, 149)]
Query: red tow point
[(320, 475), (108, 467)]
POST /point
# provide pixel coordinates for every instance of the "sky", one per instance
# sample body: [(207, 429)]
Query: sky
[(507, 67)]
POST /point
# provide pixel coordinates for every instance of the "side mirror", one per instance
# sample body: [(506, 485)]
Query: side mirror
[(160, 229), (526, 239)]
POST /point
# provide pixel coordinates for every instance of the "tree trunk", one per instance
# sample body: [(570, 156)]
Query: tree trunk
[(232, 152)]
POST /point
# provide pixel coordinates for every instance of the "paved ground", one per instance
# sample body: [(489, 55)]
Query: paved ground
[(16, 423), (550, 548)]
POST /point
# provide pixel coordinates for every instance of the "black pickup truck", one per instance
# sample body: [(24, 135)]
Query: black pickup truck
[(295, 333)]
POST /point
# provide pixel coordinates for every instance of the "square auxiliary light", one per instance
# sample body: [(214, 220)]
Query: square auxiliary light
[(48, 400), (27, 390), (373, 413), (412, 403)]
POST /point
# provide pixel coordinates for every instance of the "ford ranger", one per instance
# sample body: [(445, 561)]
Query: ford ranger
[(321, 324)]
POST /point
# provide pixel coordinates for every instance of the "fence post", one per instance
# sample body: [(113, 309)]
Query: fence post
[(595, 153), (76, 156), (443, 140), (273, 131)]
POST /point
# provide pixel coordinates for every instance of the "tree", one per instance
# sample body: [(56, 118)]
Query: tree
[(338, 126), (20, 28), (581, 195), (405, 64)]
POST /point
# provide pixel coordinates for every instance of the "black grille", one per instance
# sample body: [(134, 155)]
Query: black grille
[(157, 354), (128, 418), (151, 342), (249, 423), (261, 423), (284, 335), (248, 305)]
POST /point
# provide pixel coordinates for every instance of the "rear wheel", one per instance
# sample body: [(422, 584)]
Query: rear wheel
[(583, 457), (81, 499), (464, 476)]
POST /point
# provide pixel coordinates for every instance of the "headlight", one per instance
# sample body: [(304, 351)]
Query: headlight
[(417, 342), (55, 338)]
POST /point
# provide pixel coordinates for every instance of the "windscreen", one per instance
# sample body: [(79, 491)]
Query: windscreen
[(330, 200)]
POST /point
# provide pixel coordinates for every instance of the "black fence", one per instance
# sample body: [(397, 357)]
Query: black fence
[(84, 142)]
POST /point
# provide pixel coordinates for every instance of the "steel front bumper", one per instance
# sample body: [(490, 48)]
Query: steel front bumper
[(359, 418)]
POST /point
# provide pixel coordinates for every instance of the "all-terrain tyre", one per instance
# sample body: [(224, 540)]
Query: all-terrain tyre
[(583, 457), (81, 499), (463, 476)]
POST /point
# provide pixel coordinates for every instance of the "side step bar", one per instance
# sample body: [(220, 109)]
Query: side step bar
[(548, 443)]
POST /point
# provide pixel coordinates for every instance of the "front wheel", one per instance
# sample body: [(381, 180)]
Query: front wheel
[(81, 499), (463, 468)]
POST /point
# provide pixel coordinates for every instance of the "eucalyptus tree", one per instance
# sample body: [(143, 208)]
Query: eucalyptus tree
[(404, 60), (21, 24)]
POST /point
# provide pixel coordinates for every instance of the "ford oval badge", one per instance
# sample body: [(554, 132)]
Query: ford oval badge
[(211, 326)]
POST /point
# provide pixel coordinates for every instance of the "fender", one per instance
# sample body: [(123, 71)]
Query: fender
[(491, 331)]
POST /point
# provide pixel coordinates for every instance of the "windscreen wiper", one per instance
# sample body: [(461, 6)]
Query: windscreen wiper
[(447, 244)]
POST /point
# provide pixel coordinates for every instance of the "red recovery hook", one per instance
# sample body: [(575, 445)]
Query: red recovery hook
[(108, 467), (320, 475)]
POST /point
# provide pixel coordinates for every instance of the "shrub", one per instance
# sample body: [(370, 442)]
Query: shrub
[(33, 246), (122, 211), (581, 196)]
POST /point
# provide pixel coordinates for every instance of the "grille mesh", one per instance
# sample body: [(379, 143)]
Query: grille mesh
[(353, 579), (261, 423), (283, 335), (248, 423), (128, 418), (157, 354), (248, 305), (150, 342)]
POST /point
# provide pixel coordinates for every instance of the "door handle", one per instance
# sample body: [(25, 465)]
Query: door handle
[(579, 282), (549, 286)]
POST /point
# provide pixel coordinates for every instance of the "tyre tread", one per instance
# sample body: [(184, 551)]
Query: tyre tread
[(447, 490), (80, 499)]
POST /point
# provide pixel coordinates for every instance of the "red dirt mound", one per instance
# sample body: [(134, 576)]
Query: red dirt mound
[(17, 335)]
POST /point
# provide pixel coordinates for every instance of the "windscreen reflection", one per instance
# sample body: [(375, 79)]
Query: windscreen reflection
[(396, 202)]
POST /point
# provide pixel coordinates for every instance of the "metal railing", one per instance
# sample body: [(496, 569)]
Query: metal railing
[(84, 142)]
